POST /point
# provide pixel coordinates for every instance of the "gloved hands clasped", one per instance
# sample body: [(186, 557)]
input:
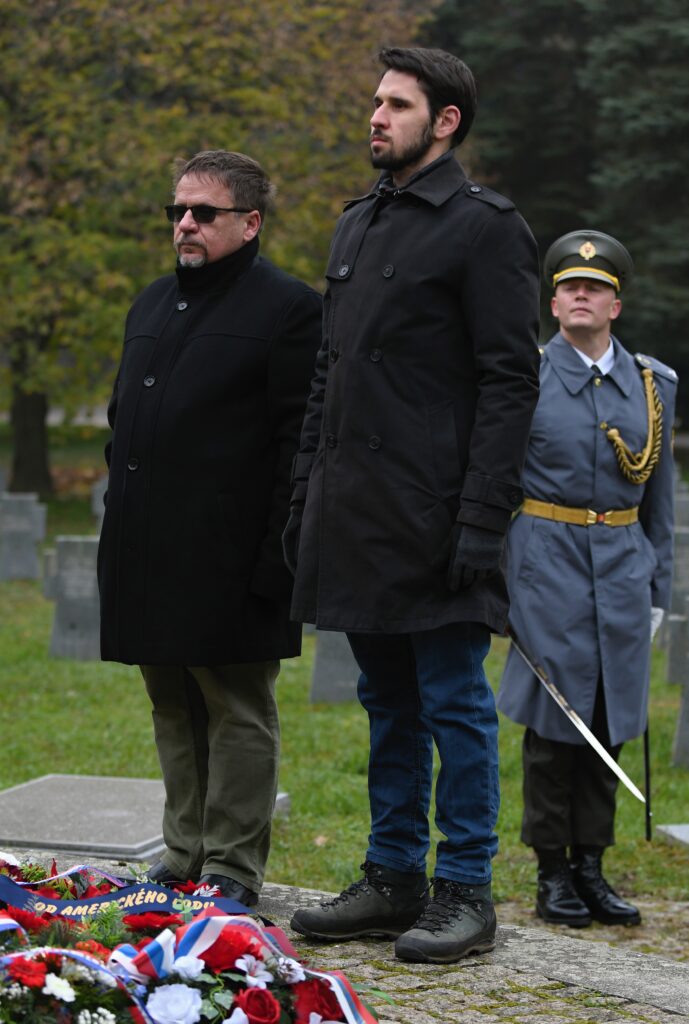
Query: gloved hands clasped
[(292, 532), (474, 555)]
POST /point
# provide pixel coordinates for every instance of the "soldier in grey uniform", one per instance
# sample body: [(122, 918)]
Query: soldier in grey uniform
[(590, 561)]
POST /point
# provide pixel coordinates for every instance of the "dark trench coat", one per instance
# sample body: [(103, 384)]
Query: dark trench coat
[(206, 414), (425, 386), (581, 597)]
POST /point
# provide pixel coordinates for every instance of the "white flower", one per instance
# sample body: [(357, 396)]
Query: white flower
[(290, 970), (174, 1004), (99, 1016), (188, 967), (9, 859), (256, 974), (237, 1017), (15, 990), (58, 987)]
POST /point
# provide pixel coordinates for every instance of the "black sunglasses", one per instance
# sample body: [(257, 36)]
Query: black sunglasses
[(202, 214)]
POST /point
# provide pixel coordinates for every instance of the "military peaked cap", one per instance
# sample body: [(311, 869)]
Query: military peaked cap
[(588, 254)]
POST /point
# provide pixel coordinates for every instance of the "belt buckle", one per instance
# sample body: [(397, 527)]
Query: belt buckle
[(593, 518)]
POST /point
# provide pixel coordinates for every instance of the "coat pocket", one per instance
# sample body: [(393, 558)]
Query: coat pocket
[(447, 467)]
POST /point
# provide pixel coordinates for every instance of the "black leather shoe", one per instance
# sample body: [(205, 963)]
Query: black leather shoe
[(459, 920), (598, 895), (383, 903), (557, 901), (226, 888), (161, 874)]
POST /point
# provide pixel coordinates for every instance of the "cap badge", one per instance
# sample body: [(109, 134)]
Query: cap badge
[(587, 251)]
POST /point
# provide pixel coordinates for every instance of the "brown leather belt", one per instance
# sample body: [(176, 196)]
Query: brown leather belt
[(580, 516)]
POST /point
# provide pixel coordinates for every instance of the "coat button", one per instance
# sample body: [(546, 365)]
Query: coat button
[(475, 188), (181, 306), (603, 425), (133, 464), (388, 270), (149, 381), (376, 355), (331, 440), (334, 355), (597, 381), (374, 443), (344, 270)]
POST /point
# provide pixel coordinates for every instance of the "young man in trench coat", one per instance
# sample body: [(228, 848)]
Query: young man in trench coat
[(590, 561), (206, 414), (407, 475)]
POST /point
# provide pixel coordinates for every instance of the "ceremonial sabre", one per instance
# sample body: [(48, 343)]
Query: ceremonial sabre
[(574, 718)]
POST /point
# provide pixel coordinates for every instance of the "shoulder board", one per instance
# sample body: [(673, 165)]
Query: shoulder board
[(486, 195), (648, 362)]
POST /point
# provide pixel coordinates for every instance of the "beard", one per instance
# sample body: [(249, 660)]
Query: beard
[(393, 159), (191, 259)]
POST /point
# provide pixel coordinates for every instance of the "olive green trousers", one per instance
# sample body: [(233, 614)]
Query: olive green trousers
[(218, 737)]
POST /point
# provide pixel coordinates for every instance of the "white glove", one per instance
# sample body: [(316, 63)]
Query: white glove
[(657, 615)]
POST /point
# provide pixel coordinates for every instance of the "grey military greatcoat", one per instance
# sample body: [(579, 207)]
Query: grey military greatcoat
[(581, 596)]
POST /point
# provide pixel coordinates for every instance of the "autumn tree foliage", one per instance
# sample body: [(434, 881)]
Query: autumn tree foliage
[(96, 100)]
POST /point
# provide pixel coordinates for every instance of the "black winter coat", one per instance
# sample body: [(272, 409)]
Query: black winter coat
[(421, 406), (206, 414)]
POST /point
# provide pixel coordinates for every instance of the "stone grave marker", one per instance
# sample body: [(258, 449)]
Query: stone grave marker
[(335, 672), (680, 748), (89, 816), (98, 489), (677, 638), (49, 573), (76, 623), (680, 581), (22, 527)]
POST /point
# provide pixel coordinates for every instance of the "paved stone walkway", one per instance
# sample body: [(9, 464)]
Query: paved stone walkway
[(535, 974)]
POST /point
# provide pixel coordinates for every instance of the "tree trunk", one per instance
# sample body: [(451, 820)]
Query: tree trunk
[(30, 464)]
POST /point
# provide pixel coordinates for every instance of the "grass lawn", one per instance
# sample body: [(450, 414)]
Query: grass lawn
[(93, 718)]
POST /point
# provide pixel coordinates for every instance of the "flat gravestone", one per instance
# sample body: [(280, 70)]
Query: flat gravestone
[(675, 833), (335, 672), (89, 816)]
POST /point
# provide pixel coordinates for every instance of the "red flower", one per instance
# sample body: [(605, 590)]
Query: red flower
[(315, 997), (27, 972), (96, 890), (152, 920), (95, 949), (186, 887), (31, 922), (259, 1005), (233, 942)]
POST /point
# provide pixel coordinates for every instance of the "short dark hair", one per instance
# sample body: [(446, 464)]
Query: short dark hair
[(250, 185), (445, 79)]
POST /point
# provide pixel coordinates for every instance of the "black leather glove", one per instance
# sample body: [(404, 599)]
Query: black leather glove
[(291, 534), (474, 555)]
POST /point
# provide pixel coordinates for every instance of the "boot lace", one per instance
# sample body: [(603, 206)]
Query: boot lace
[(361, 886), (450, 899)]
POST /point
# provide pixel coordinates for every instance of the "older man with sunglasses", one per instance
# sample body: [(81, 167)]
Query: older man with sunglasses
[(205, 414)]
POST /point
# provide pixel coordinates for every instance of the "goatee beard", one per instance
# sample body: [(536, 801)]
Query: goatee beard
[(414, 153)]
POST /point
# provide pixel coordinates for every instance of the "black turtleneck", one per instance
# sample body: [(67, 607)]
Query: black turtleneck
[(219, 273)]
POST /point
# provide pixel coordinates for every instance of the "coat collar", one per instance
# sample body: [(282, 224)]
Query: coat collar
[(435, 183), (574, 373)]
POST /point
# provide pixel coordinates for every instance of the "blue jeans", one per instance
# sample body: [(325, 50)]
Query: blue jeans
[(421, 688)]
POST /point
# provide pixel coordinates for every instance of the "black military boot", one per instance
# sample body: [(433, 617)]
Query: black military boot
[(557, 901), (459, 920), (383, 903), (598, 895)]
